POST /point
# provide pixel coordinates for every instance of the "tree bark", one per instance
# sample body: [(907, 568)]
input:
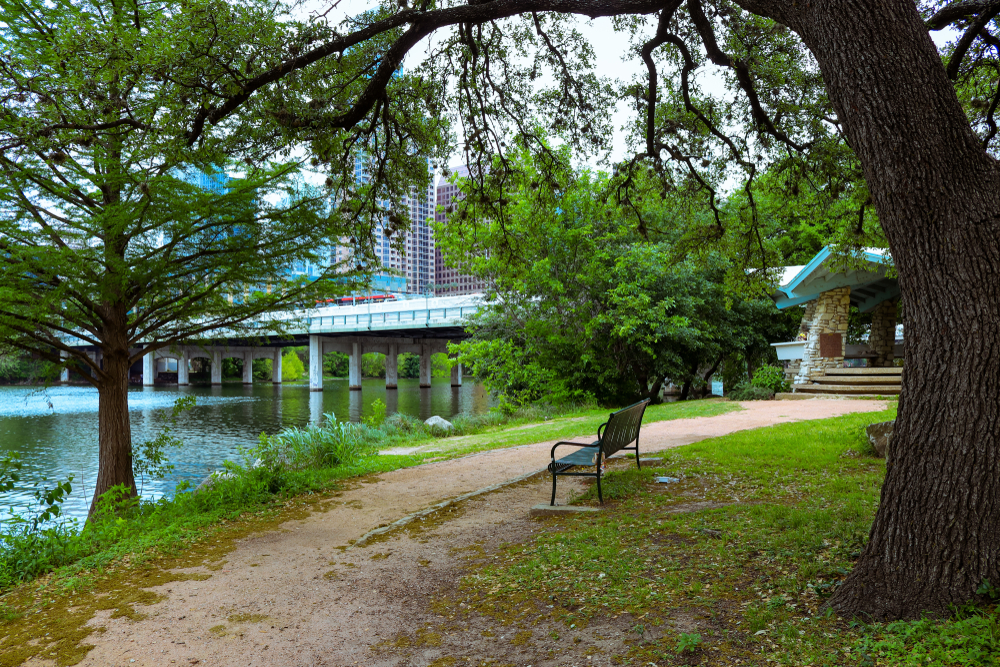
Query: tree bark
[(114, 427), (936, 534)]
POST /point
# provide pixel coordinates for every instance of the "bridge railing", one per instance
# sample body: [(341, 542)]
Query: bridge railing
[(392, 319)]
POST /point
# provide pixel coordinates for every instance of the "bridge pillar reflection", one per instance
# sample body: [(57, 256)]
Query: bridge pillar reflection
[(425, 366), (216, 367), (315, 408), (354, 366), (315, 363), (276, 366), (392, 366)]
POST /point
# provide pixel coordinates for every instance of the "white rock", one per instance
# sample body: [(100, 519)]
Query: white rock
[(439, 422)]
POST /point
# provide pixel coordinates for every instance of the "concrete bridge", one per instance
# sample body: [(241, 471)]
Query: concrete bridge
[(422, 326)]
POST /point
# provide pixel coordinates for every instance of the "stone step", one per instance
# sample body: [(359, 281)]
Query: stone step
[(888, 370), (858, 379), (847, 389)]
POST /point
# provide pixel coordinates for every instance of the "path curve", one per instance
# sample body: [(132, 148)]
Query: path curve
[(311, 620)]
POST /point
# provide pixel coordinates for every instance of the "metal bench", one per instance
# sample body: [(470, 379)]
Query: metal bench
[(615, 435)]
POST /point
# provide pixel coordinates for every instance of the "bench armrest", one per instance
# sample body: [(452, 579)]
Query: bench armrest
[(576, 444)]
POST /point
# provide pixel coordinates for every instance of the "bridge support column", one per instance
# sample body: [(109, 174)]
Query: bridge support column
[(276, 366), (248, 367), (64, 373), (148, 369), (216, 367), (392, 366), (425, 366), (315, 363), (456, 374), (354, 367), (182, 370)]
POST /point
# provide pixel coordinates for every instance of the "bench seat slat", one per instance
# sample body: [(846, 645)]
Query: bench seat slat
[(581, 457)]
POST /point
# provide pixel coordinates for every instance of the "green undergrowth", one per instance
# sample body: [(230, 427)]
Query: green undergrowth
[(741, 551), (53, 581)]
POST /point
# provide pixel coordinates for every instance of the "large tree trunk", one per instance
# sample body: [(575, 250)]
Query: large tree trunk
[(114, 428), (936, 534)]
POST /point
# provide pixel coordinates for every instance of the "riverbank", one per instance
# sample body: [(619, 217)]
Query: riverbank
[(200, 597), (296, 462)]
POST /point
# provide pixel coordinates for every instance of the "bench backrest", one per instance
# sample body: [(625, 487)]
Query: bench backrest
[(622, 428)]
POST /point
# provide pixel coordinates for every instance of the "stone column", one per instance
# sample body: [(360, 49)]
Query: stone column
[(182, 369), (216, 367), (830, 317), (882, 339), (354, 367), (148, 369), (276, 366), (392, 366), (248, 367), (425, 366), (456, 374), (64, 373), (315, 363)]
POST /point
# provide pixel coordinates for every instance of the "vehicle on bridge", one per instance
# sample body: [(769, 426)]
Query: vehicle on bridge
[(358, 300)]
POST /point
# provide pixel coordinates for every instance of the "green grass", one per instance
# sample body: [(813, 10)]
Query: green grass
[(758, 532)]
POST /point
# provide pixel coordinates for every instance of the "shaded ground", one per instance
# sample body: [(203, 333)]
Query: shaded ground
[(302, 596)]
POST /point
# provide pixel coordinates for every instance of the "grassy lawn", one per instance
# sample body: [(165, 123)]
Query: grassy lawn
[(731, 564), (576, 424)]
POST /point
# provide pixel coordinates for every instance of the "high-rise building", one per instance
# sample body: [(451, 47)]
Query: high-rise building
[(420, 256), (449, 280)]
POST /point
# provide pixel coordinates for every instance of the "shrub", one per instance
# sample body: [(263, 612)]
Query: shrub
[(291, 366), (748, 392), (770, 377)]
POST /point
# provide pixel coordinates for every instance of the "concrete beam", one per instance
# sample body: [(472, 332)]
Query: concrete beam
[(425, 366), (148, 369), (392, 367), (276, 366), (354, 367), (217, 367), (183, 378), (315, 363), (248, 367)]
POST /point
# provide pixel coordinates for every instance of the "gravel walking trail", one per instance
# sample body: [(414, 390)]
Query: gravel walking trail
[(299, 596)]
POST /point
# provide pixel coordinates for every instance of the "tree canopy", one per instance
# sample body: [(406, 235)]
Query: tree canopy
[(587, 306)]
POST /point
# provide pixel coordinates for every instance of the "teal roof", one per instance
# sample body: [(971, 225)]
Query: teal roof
[(869, 283)]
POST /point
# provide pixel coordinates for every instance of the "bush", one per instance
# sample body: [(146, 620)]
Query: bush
[(748, 392), (317, 446), (291, 366), (771, 378)]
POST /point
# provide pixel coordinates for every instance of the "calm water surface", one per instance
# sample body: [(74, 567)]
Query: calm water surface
[(55, 430)]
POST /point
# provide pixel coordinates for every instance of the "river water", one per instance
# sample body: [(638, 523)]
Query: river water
[(54, 430)]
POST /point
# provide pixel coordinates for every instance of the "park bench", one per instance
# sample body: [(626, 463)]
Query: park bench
[(614, 435)]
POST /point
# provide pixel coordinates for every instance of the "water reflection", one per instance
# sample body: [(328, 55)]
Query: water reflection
[(55, 430)]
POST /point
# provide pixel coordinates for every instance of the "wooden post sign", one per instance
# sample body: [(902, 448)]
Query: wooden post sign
[(831, 345)]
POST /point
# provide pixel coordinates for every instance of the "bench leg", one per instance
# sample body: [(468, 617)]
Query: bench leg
[(637, 463), (599, 496), (552, 504)]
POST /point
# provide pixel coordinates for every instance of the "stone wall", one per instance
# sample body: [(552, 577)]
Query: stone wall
[(882, 338), (829, 315)]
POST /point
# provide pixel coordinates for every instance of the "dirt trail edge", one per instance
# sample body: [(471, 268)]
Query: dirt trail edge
[(301, 596)]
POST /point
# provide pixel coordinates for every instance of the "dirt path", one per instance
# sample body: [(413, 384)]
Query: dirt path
[(297, 597)]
